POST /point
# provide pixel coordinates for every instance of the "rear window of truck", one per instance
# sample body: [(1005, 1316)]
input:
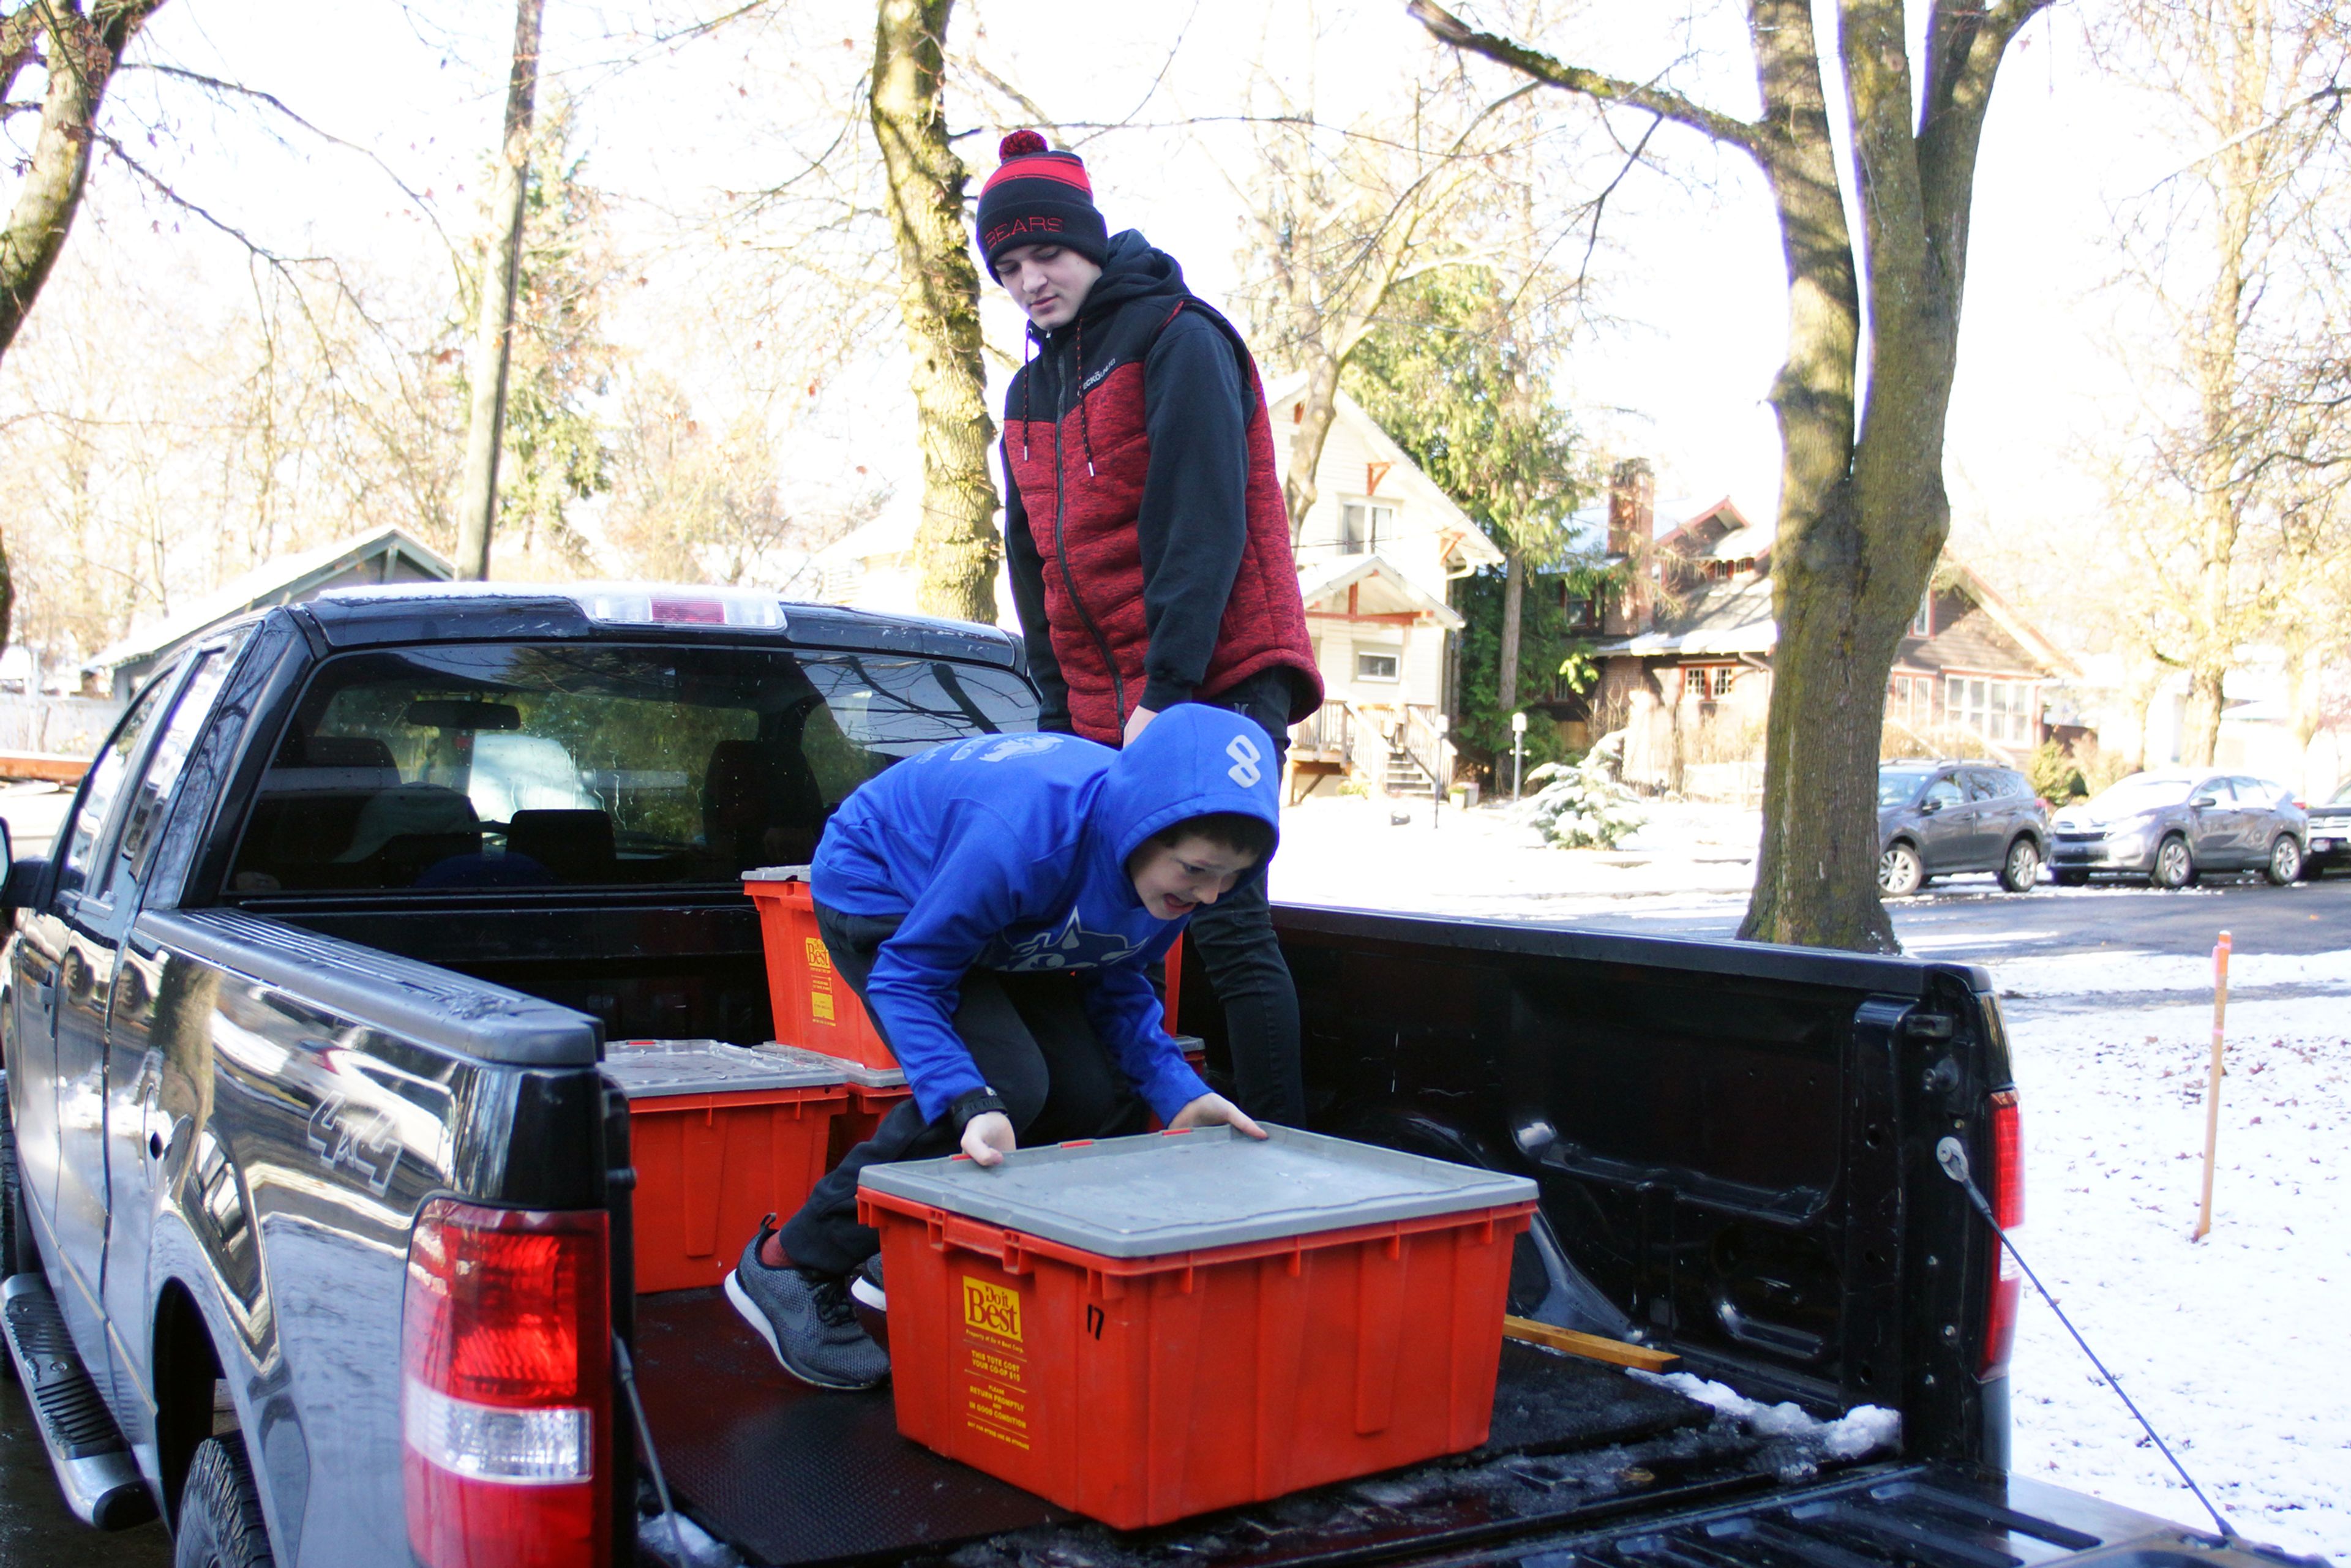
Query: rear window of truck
[(568, 765)]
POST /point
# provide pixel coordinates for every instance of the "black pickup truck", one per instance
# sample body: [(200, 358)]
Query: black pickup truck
[(317, 1232)]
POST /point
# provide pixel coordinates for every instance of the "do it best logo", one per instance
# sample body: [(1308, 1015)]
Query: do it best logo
[(991, 1309)]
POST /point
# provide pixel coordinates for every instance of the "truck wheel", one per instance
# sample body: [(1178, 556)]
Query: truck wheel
[(1899, 874), (2175, 863), (16, 1240), (2286, 861), (2022, 870), (220, 1513)]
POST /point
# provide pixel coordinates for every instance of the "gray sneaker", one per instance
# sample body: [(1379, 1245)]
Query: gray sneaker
[(807, 1320)]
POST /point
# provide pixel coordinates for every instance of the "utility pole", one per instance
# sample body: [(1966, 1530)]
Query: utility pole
[(477, 488)]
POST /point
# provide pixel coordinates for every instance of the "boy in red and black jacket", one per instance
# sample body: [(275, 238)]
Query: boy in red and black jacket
[(1149, 546)]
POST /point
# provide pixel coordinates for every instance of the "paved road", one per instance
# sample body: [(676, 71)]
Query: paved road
[(35, 1527), (1970, 917)]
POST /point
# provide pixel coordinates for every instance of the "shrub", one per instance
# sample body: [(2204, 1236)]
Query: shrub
[(2056, 776), (1584, 805)]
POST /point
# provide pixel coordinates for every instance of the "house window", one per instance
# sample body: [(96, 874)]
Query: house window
[(1363, 525), (1707, 682), (2001, 711), (1910, 700), (1375, 666), (1580, 613), (1923, 624)]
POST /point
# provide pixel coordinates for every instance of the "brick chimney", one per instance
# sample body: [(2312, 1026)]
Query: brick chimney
[(1631, 528)]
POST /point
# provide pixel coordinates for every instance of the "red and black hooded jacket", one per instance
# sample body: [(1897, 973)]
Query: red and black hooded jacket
[(1143, 522)]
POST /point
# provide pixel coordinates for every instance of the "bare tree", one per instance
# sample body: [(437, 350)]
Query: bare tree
[(956, 543), (477, 499), (1863, 510), (2245, 272), (78, 48)]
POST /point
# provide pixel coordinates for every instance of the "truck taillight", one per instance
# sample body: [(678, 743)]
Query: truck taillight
[(2007, 1194), (507, 1393)]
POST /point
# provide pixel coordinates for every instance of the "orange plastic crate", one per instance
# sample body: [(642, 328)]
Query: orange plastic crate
[(814, 1008), (1144, 1389), (710, 1166)]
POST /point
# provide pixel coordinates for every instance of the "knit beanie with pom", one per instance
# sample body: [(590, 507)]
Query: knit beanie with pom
[(1037, 196)]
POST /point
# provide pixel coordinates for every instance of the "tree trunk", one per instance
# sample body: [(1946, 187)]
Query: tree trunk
[(478, 483), (2200, 720), (1514, 597), (1320, 406), (81, 52), (956, 543)]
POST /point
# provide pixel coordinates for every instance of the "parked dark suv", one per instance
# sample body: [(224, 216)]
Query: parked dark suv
[(1938, 817), (2170, 825)]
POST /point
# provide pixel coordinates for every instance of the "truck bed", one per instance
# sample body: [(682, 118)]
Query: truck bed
[(791, 1474)]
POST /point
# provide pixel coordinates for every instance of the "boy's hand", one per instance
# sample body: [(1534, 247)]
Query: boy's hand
[(1136, 723), (1212, 1110), (987, 1137)]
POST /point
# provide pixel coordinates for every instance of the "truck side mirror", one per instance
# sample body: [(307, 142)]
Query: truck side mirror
[(1929, 806), (2200, 802)]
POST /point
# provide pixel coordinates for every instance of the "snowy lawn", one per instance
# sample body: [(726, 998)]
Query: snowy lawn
[(2237, 1347)]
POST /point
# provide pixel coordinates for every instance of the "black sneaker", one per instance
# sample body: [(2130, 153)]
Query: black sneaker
[(866, 1286), (807, 1320)]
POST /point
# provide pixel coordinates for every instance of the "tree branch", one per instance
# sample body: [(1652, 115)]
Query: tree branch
[(219, 88), (1663, 102)]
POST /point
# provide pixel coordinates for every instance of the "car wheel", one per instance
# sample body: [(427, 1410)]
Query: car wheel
[(2021, 870), (2175, 863), (2286, 861), (2070, 878), (1899, 874), (220, 1511)]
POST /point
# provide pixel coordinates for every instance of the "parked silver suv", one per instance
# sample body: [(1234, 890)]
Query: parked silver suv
[(2171, 825)]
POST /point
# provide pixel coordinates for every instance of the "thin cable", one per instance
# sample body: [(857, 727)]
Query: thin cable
[(653, 1460), (1954, 1161)]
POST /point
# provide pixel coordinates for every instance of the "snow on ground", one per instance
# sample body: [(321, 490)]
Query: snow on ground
[(1349, 851), (2237, 1347)]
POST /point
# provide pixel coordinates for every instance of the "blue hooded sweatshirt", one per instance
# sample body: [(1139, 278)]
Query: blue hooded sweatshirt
[(1009, 851)]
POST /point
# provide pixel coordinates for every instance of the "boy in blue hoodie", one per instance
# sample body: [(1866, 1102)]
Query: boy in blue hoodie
[(998, 902)]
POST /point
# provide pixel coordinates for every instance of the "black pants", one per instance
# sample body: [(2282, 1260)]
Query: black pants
[(1235, 939), (1034, 1045)]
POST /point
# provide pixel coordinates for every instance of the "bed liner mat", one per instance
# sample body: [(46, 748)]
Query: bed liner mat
[(790, 1475)]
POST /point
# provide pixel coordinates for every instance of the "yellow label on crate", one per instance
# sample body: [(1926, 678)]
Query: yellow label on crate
[(991, 1309), (819, 962), (820, 1006)]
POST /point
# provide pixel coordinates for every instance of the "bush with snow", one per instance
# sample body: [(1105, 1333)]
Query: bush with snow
[(1584, 806)]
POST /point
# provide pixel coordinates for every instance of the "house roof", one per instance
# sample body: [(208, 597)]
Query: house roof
[(1724, 616), (1458, 535), (1382, 589), (1734, 616), (1669, 515), (286, 579)]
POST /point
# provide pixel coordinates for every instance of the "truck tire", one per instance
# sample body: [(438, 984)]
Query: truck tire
[(220, 1513), (16, 1238)]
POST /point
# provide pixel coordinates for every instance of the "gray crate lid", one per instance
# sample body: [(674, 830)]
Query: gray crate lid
[(855, 1072), (648, 1069), (1163, 1193), (775, 874)]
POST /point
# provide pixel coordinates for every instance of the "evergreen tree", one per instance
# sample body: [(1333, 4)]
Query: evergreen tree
[(1450, 375)]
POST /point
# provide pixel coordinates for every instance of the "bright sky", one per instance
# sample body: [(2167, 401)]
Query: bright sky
[(1691, 276)]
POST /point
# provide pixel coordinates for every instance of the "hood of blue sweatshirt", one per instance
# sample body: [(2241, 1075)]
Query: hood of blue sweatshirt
[(1009, 853)]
